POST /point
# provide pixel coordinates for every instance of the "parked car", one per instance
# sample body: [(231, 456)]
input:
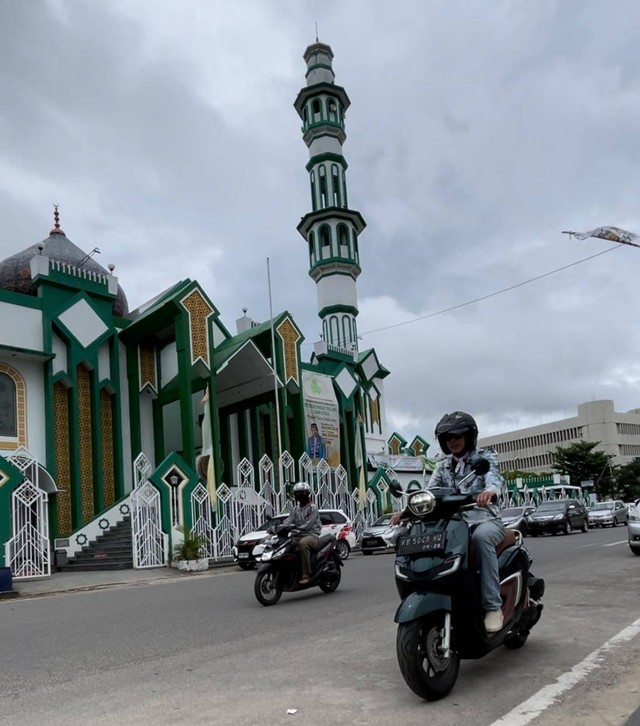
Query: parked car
[(250, 546), (558, 515), (608, 514), (243, 551), (633, 531), (516, 517), (380, 536)]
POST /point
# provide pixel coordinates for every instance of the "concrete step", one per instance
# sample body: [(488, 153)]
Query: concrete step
[(97, 566)]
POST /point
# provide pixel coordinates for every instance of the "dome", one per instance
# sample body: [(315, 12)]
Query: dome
[(15, 271)]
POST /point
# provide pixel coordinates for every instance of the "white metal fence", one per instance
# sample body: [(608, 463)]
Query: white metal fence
[(27, 553), (149, 541), (261, 494)]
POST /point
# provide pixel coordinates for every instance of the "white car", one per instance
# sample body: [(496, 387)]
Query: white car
[(249, 547)]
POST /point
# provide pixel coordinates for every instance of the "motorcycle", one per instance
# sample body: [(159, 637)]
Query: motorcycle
[(279, 570), (441, 619)]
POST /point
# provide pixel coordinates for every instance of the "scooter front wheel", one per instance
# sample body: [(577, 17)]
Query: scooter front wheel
[(427, 672), (266, 588)]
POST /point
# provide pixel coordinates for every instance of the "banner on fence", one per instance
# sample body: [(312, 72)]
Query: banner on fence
[(322, 417)]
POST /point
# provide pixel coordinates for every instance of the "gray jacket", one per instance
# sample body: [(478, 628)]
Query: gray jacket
[(444, 475), (306, 519)]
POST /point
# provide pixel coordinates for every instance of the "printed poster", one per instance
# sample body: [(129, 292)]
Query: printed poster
[(322, 418)]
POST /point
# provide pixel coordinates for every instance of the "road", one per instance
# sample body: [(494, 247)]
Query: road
[(203, 651)]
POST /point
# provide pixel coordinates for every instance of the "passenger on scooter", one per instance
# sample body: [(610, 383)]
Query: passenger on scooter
[(306, 519), (457, 434)]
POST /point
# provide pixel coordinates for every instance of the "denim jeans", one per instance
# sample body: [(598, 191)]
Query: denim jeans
[(485, 538)]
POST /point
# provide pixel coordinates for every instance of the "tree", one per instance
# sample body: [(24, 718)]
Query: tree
[(582, 462), (629, 481)]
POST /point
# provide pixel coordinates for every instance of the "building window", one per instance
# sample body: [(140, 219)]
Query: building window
[(355, 246), (324, 200), (13, 409), (312, 247), (333, 110), (314, 201), (316, 109), (343, 240), (8, 406), (335, 185), (305, 116), (325, 241)]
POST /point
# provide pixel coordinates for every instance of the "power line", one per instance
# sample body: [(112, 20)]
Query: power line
[(491, 294)]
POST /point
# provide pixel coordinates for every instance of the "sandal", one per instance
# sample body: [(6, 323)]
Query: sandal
[(305, 580)]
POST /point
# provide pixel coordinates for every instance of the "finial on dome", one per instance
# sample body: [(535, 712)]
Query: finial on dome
[(56, 229)]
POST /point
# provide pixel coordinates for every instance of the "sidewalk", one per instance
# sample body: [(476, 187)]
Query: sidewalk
[(61, 582)]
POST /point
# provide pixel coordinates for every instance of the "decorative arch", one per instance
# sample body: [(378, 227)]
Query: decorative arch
[(15, 397), (325, 241), (335, 185)]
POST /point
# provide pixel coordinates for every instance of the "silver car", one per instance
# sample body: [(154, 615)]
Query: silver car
[(633, 532), (516, 517), (608, 514), (380, 536)]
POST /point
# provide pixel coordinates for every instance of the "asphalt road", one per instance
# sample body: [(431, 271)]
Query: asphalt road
[(203, 651)]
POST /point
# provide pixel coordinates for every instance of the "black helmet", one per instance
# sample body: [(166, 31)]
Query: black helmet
[(302, 492), (458, 423)]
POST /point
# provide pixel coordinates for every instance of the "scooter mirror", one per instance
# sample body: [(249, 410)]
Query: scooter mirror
[(395, 489), (480, 465)]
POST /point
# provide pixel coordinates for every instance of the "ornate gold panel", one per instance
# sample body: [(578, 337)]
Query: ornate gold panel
[(63, 459), (106, 429), (375, 411), (147, 354), (199, 311), (394, 446), (289, 336), (85, 443)]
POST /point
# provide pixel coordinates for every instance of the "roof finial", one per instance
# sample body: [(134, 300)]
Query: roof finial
[(317, 32), (57, 229)]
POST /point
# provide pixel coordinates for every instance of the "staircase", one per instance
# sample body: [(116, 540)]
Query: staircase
[(112, 550)]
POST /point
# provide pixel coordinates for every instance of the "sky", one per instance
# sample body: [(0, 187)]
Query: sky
[(477, 133)]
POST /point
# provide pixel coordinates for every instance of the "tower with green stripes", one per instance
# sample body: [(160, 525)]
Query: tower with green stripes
[(331, 229)]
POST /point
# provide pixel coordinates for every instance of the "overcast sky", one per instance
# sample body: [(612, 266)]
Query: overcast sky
[(478, 131)]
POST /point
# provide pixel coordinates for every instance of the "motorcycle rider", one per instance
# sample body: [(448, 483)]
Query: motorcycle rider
[(457, 434), (306, 519)]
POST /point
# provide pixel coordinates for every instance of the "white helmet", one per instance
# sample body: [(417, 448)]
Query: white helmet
[(301, 491)]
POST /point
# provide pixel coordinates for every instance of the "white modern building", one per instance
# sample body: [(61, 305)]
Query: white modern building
[(530, 449)]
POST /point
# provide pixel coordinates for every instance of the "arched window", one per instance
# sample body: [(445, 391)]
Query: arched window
[(335, 185), (312, 248), (355, 246), (324, 198), (334, 330), (346, 330), (305, 116), (325, 241), (343, 240), (314, 201), (344, 188), (333, 109), (13, 408), (316, 109), (8, 406)]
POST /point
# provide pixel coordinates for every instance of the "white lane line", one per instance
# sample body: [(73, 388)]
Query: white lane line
[(530, 709), (613, 544)]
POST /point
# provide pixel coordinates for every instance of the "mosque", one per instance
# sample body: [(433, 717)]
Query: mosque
[(86, 384)]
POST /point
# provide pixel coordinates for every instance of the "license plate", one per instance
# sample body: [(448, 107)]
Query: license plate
[(370, 542), (243, 555), (431, 542)]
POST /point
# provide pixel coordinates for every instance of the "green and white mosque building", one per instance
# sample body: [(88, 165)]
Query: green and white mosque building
[(145, 421)]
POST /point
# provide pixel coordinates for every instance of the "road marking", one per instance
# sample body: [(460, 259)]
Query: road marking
[(530, 709), (612, 544)]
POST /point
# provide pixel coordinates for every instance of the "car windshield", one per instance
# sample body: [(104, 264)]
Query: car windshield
[(272, 522), (382, 521), (513, 512), (550, 507), (603, 505)]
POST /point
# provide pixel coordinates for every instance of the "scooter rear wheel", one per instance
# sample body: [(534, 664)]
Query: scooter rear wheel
[(331, 580), (266, 588), (427, 673)]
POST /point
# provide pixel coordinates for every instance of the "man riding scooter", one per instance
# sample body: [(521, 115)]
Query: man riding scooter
[(306, 519)]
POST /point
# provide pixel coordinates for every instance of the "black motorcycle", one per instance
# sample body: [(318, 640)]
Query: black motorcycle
[(279, 568), (441, 619)]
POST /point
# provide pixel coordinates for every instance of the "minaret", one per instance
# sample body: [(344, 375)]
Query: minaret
[(331, 229)]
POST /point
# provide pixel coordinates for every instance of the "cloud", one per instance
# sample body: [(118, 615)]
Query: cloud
[(165, 130)]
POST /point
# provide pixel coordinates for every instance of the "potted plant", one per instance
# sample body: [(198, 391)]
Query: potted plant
[(188, 555)]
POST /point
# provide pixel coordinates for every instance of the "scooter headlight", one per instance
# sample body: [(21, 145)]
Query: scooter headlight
[(422, 503)]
